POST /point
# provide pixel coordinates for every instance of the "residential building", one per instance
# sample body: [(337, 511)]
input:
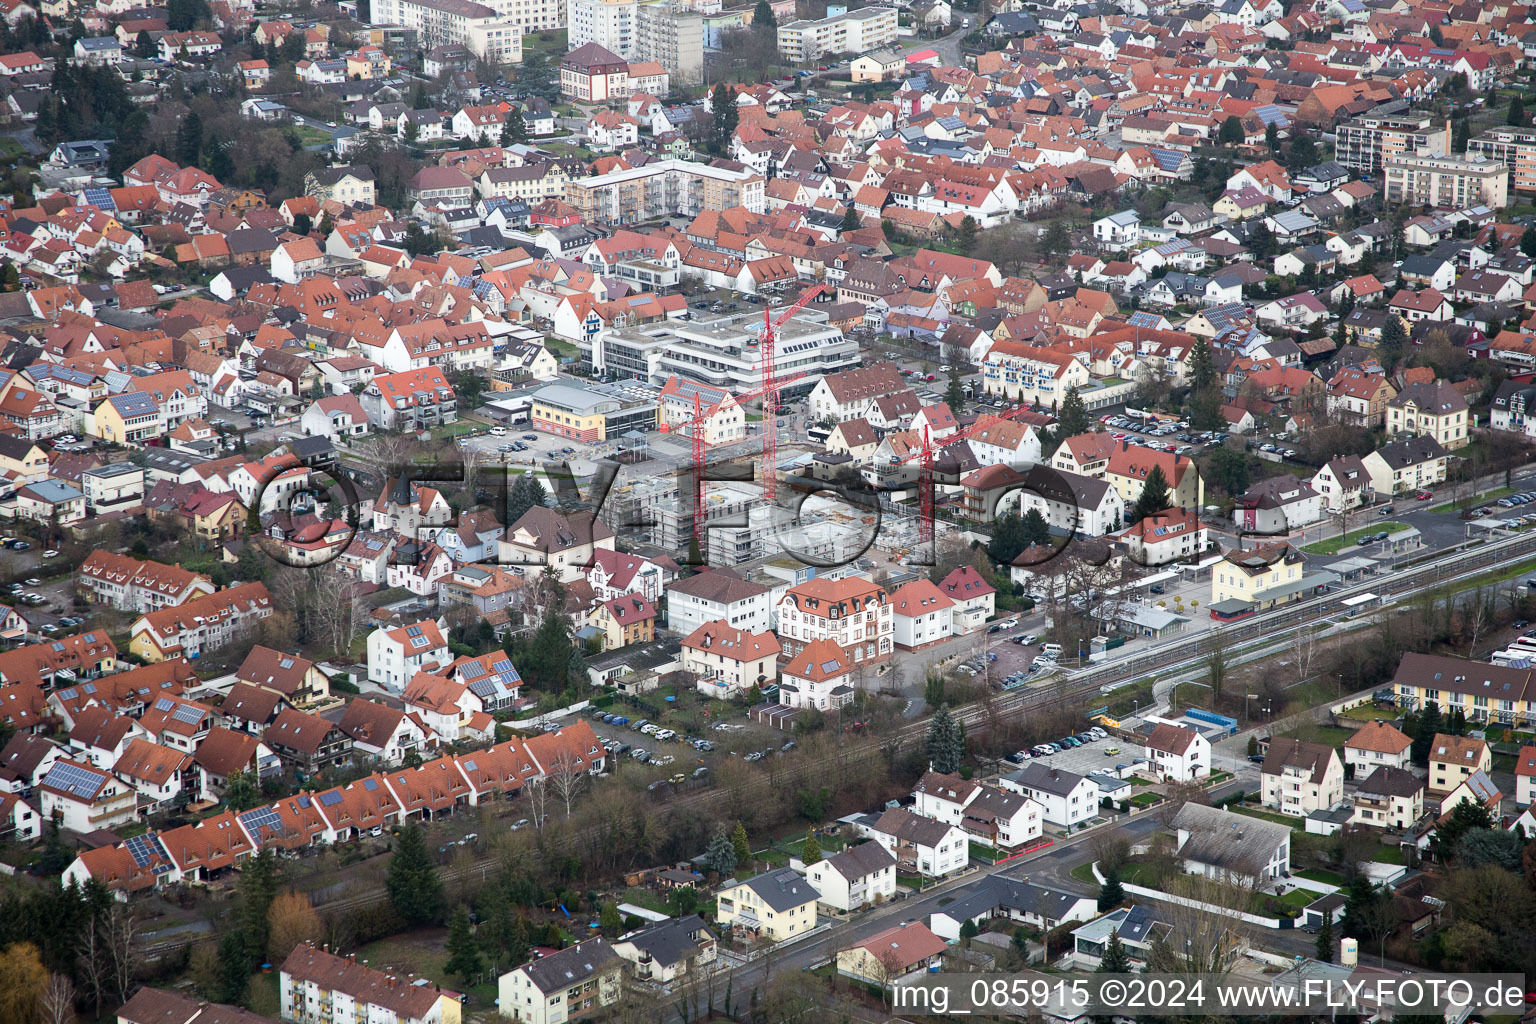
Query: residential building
[(489, 34), (920, 845), (544, 537), (1435, 410), (1407, 465), (667, 187), (718, 595), (1445, 182), (1299, 778), (999, 818), (128, 584), (887, 958), (1178, 753), (624, 621), (297, 679), (1256, 579), (85, 798), (396, 655), (973, 599), (666, 951), (204, 623), (1278, 505), (852, 612), (727, 661), (854, 31), (1065, 798), (1389, 131), (1389, 797), (1130, 465), (862, 874), (1454, 759), (775, 906), (1375, 745), (1221, 844), (821, 676), (315, 985)]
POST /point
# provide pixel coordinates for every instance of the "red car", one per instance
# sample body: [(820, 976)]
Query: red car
[(1424, 495)]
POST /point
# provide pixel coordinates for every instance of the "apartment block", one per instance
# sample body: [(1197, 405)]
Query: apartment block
[(660, 31), (484, 31), (1391, 130), (1513, 147), (865, 28), (1445, 182), (663, 188)]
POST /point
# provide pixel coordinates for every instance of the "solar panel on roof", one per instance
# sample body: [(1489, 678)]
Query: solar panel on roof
[(304, 801), (138, 848), (73, 778), (370, 784), (330, 799), (164, 704), (259, 819), (471, 766), (187, 714), (829, 666)]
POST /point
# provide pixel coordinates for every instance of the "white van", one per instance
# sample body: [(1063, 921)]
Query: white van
[(498, 431), (1052, 651)]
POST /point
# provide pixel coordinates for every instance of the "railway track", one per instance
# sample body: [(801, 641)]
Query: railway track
[(1081, 685)]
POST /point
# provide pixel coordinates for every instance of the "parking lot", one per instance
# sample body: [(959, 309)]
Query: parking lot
[(670, 752), (1167, 436), (1095, 755)]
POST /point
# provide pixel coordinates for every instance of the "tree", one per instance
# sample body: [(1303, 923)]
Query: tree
[(608, 919), (462, 949), (1528, 241), (1072, 417), (255, 892), (515, 129), (723, 110), (763, 19), (1202, 372), (301, 226), (954, 395), (720, 856), (241, 792), (1272, 137), (58, 1000), (189, 139), (1111, 893), (143, 45), (1516, 114), (526, 492), (23, 982), (1115, 960), (1424, 740), (850, 219), (290, 921), (1394, 335), (967, 238), (412, 130), (1324, 950), (1057, 239), (1228, 467), (1154, 496), (1465, 818), (1231, 131), (740, 844), (184, 15), (946, 743), (414, 888), (810, 852), (1302, 152), (1036, 529), (968, 931)]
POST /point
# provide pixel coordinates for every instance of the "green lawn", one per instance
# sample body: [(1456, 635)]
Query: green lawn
[(1279, 819), (1145, 799), (10, 149), (421, 953), (986, 853), (1084, 873), (1369, 712), (910, 881), (1327, 735), (1334, 545), (1389, 855), (536, 42), (647, 899)]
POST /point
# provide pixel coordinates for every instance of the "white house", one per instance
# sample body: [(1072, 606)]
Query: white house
[(999, 818), (920, 845), (718, 594), (1118, 230), (1178, 753), (974, 599), (1525, 776), (859, 876), (1375, 745), (1219, 843), (1066, 799), (396, 655), (922, 615)]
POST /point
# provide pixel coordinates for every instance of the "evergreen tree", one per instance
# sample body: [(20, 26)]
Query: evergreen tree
[(720, 857), (967, 238), (1324, 952), (462, 949), (1057, 239), (526, 492), (1528, 241), (414, 887), (515, 129), (241, 792), (1115, 960), (143, 45), (1261, 242), (741, 844), (946, 742), (234, 975), (1036, 529), (1205, 410), (189, 140), (608, 919), (1232, 131), (723, 110), (1516, 111), (954, 394), (763, 18), (1154, 496), (254, 892), (810, 852), (1461, 133), (850, 219), (1202, 372), (968, 931), (1111, 893), (1020, 944), (1394, 335), (1009, 539), (1071, 418), (1272, 137), (1360, 902), (1424, 739)]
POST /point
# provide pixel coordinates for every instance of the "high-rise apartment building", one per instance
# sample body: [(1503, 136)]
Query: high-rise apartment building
[(656, 30), (1445, 182), (865, 28), (1515, 148), (1389, 130)]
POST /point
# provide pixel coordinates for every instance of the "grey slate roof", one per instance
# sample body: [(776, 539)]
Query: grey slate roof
[(670, 942), (782, 890), (559, 971), (1223, 839), (1048, 780)]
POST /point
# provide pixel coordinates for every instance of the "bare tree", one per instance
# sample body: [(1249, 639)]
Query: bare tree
[(120, 944), (568, 778), (334, 610), (1199, 940), (889, 962), (58, 1003), (1304, 652), (91, 962), (1478, 611), (538, 800)]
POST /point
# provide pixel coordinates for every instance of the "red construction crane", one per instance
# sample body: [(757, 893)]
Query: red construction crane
[(925, 468), (771, 385), (697, 431)]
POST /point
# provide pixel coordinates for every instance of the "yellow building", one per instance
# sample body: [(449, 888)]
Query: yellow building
[(878, 66), (774, 906), (1480, 691), (131, 417), (1130, 465), (1257, 579), (724, 421), (368, 62), (624, 621), (1434, 410), (1455, 759)]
